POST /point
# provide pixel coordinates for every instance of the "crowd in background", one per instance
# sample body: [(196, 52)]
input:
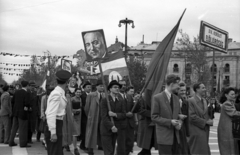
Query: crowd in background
[(86, 113)]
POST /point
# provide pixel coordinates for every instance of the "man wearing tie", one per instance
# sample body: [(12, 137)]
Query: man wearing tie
[(92, 110), (165, 114), (200, 121)]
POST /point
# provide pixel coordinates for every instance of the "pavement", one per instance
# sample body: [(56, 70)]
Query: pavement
[(38, 149)]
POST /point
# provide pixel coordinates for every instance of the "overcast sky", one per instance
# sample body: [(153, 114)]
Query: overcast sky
[(33, 26)]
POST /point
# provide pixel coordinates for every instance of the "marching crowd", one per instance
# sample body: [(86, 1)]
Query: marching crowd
[(171, 122)]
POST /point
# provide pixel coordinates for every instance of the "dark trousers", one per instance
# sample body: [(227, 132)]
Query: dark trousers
[(108, 143), (83, 132), (37, 128), (22, 125), (169, 149), (121, 139), (54, 148), (129, 141), (4, 125)]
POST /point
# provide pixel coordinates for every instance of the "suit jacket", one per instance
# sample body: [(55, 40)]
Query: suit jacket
[(117, 107), (199, 130), (162, 114), (20, 100), (129, 106), (6, 107), (83, 98)]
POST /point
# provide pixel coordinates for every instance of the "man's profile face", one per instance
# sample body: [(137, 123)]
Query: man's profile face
[(202, 89), (131, 92), (123, 83), (175, 87), (100, 88), (94, 45)]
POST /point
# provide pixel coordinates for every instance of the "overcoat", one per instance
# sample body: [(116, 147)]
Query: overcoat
[(92, 108), (199, 130), (33, 113), (145, 130), (227, 144)]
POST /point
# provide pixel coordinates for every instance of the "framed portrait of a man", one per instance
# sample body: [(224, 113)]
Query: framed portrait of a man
[(66, 65), (94, 44)]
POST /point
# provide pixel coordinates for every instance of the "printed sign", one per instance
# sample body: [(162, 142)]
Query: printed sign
[(213, 37), (66, 65)]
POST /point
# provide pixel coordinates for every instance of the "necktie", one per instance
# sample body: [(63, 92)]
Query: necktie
[(171, 102)]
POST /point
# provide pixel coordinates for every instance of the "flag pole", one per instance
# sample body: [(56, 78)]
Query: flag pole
[(105, 88)]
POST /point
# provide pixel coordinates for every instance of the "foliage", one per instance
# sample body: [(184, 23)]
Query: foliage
[(137, 70), (2, 81), (195, 55)]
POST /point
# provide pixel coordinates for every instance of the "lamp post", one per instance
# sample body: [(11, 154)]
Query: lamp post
[(126, 22)]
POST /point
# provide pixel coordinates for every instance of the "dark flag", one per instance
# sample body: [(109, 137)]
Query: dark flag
[(218, 86), (158, 66)]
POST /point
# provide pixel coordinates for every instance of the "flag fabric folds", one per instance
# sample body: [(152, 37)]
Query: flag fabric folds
[(43, 86), (114, 63), (158, 66)]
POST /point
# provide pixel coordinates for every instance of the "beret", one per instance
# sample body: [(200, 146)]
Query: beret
[(63, 75), (86, 83)]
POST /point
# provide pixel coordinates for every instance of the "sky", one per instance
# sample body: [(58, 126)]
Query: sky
[(30, 27)]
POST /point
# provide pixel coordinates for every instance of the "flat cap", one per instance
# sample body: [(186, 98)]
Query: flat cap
[(63, 75)]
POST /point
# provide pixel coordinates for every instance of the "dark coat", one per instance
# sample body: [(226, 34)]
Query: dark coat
[(145, 130), (19, 101), (199, 130), (84, 98), (129, 106), (185, 111), (33, 105), (162, 114), (117, 107)]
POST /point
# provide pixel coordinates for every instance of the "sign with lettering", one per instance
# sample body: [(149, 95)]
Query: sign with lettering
[(91, 77), (213, 37)]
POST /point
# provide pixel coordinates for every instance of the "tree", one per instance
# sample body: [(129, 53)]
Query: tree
[(2, 81), (137, 70), (195, 54)]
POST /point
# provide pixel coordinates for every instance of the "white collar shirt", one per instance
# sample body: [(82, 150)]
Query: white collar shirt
[(168, 95)]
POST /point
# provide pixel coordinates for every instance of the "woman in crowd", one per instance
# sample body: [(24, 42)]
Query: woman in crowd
[(227, 144), (76, 110)]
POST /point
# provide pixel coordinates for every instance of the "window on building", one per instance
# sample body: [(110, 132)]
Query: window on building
[(214, 68), (175, 68), (188, 68), (227, 68)]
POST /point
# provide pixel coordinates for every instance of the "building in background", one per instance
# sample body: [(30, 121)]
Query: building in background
[(226, 68)]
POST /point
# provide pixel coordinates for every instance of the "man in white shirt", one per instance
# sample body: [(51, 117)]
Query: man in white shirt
[(56, 105)]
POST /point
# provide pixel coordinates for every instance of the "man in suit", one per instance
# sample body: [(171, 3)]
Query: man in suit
[(87, 89), (5, 114), (165, 114), (110, 130), (200, 121), (92, 110), (129, 132), (20, 103), (32, 116)]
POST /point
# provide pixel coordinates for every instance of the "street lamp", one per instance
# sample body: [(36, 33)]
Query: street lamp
[(126, 22)]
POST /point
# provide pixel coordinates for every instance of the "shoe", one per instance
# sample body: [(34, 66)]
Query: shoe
[(100, 148), (26, 146), (76, 152), (12, 144), (6, 143), (38, 140), (144, 152), (90, 152), (83, 148), (67, 148)]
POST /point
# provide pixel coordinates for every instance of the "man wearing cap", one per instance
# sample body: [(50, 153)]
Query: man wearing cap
[(92, 110), (87, 89), (110, 130), (56, 105), (20, 102), (32, 118)]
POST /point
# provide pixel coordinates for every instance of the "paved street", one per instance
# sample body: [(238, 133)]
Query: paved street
[(38, 149)]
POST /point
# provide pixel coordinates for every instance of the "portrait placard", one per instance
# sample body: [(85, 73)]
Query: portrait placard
[(94, 44), (66, 65)]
